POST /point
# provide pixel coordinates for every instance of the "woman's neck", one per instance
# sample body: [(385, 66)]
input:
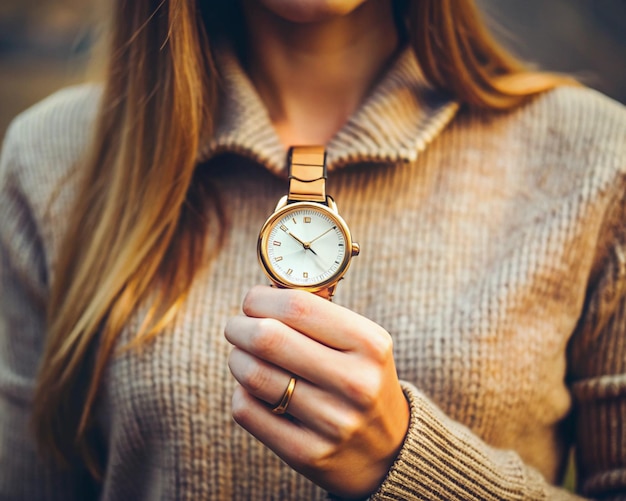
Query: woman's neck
[(313, 76)]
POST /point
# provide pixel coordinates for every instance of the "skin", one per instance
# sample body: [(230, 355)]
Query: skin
[(348, 413), (313, 62), (313, 74)]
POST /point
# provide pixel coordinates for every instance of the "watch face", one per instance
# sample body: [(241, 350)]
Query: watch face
[(305, 245)]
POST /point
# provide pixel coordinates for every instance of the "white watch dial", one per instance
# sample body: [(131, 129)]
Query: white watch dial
[(306, 247)]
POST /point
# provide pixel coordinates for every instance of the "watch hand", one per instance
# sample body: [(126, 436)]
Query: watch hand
[(303, 244), (306, 245), (320, 236), (321, 264)]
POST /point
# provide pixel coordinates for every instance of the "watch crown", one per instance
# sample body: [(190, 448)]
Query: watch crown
[(355, 249)]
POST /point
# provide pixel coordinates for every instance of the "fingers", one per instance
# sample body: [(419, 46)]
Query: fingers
[(290, 338), (316, 409), (294, 443), (317, 318), (351, 466), (279, 345)]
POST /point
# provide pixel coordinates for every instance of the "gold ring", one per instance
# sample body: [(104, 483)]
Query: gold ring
[(281, 408)]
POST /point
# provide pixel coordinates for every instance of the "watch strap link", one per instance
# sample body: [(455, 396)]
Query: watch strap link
[(307, 174)]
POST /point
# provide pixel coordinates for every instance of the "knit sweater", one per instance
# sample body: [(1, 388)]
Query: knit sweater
[(493, 252)]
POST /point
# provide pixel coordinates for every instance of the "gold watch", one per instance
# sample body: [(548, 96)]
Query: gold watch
[(305, 244)]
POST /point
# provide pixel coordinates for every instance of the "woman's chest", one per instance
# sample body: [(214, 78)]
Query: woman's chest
[(480, 291)]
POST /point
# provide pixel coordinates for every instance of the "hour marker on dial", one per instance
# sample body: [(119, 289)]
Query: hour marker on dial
[(305, 275), (279, 258), (307, 219), (277, 243), (289, 271), (283, 227)]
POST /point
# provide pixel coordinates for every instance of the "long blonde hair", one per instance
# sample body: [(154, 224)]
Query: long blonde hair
[(141, 218)]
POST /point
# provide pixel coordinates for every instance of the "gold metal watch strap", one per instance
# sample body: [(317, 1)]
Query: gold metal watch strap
[(307, 174), (328, 292)]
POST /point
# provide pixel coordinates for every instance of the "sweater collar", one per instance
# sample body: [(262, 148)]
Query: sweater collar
[(398, 119)]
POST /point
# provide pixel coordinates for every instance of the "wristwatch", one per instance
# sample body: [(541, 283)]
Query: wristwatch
[(305, 244)]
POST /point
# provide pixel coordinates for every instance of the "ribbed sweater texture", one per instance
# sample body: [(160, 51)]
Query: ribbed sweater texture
[(493, 252)]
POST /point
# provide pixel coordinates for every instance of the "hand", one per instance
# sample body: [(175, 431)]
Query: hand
[(320, 236), (348, 415)]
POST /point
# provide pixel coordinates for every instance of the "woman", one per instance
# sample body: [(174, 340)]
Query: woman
[(479, 334)]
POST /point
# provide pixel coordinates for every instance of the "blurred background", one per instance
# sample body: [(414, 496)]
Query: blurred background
[(44, 44)]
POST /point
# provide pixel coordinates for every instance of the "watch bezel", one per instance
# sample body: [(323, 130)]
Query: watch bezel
[(264, 236)]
